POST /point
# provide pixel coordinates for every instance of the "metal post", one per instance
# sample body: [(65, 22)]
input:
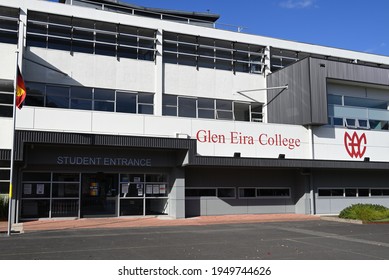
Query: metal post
[(12, 149)]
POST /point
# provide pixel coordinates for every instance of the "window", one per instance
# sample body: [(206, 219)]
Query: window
[(324, 192), (226, 192), (350, 122), (358, 112), (81, 98), (247, 192), (351, 192), (354, 192), (87, 36), (169, 105), (363, 124), (270, 192), (104, 100), (145, 103), (338, 121), (330, 192), (256, 112), (126, 102), (336, 192), (379, 192), (189, 192), (84, 98), (212, 53), (224, 110), (57, 96), (242, 111), (6, 104), (363, 192), (186, 107), (206, 108), (9, 25), (50, 195)]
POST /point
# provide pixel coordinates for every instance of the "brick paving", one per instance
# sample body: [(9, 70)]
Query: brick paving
[(162, 221)]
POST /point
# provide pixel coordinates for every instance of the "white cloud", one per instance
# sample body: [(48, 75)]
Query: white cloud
[(297, 4)]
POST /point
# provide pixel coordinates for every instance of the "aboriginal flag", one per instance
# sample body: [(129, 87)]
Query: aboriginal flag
[(20, 90)]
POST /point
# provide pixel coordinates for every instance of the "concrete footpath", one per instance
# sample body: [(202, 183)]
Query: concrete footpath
[(160, 221)]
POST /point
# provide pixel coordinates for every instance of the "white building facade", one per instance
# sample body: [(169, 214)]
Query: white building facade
[(133, 112)]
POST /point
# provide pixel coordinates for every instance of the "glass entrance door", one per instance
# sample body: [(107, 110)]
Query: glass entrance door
[(99, 195)]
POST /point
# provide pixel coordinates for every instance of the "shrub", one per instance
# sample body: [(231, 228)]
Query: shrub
[(365, 212)]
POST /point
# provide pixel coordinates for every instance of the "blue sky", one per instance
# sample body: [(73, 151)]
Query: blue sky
[(353, 25)]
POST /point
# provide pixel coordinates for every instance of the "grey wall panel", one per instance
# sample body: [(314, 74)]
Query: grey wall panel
[(192, 207), (290, 106), (305, 101), (6, 85), (44, 137), (5, 154), (323, 206), (205, 161), (348, 179), (318, 91), (269, 206), (209, 206), (336, 205), (222, 177), (358, 73), (217, 206)]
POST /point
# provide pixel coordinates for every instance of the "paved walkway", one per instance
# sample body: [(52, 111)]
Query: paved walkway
[(62, 224)]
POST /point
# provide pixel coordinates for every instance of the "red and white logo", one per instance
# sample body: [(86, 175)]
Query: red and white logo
[(355, 144)]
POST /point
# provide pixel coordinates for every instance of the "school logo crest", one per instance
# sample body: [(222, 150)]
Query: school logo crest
[(355, 144)]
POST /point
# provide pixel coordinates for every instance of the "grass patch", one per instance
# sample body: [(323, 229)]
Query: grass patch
[(365, 212)]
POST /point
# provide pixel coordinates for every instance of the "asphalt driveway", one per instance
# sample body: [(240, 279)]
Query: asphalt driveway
[(297, 240)]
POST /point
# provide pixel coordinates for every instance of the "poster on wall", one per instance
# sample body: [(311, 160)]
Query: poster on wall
[(125, 188), (40, 189), (27, 189), (155, 189), (162, 189), (140, 189), (149, 189)]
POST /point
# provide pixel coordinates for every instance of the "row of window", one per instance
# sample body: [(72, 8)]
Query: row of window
[(5, 171), (359, 123), (6, 104), (243, 192), (85, 98), (9, 25), (67, 185), (87, 36), (52, 194), (143, 185), (280, 58), (212, 53), (357, 112), (353, 192), (208, 108), (98, 99), (360, 102)]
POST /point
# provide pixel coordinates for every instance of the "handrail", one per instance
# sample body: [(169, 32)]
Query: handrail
[(163, 16)]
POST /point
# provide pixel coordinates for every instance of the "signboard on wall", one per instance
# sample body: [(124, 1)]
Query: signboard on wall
[(347, 144), (98, 157), (252, 140)]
